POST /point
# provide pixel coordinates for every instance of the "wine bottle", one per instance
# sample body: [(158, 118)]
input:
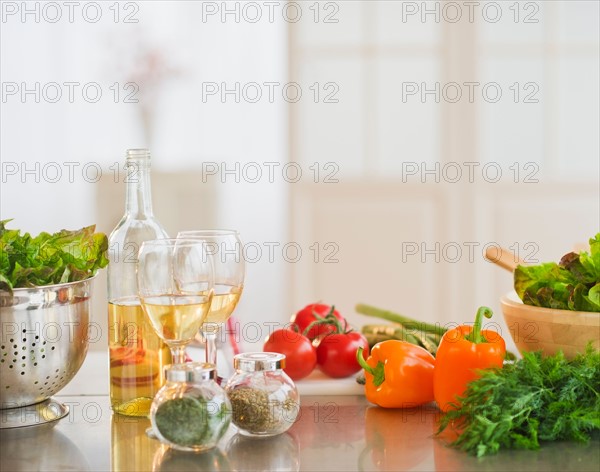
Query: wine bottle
[(137, 355)]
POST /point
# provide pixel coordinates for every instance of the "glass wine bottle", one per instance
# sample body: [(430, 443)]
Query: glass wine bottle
[(137, 355)]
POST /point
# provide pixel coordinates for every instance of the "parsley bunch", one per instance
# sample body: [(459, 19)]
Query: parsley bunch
[(534, 399)]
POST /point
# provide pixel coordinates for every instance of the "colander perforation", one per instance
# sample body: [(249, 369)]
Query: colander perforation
[(49, 344)]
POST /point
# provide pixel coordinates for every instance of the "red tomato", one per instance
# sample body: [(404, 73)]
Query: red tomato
[(301, 356), (309, 314), (336, 353)]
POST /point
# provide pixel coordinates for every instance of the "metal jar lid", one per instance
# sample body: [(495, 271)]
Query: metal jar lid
[(190, 372), (255, 361)]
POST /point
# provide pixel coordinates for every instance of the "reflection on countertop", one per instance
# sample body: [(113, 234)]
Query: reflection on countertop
[(171, 460), (39, 448), (280, 452), (331, 433)]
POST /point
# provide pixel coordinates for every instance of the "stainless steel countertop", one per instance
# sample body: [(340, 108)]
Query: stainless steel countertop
[(341, 433)]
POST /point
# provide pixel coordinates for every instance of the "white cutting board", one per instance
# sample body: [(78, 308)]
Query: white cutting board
[(318, 383)]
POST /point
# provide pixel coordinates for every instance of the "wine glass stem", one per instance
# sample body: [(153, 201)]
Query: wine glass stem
[(178, 354), (210, 336)]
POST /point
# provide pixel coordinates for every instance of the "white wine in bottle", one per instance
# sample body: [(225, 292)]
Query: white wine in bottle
[(137, 355)]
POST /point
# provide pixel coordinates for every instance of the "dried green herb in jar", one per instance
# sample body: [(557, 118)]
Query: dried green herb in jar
[(264, 400), (190, 412), (254, 412), (188, 421)]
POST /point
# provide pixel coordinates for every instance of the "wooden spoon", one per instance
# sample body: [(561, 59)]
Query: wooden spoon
[(503, 258)]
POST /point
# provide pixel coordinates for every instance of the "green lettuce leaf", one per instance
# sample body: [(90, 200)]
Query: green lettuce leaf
[(65, 256), (572, 284)]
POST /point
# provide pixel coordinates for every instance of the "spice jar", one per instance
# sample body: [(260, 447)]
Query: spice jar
[(264, 400), (191, 412)]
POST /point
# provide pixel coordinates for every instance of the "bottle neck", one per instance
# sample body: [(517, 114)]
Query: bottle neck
[(138, 201)]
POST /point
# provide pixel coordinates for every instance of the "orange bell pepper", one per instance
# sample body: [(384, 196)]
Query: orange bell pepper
[(398, 374), (462, 352)]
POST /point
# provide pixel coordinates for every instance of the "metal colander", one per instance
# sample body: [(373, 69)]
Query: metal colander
[(43, 340)]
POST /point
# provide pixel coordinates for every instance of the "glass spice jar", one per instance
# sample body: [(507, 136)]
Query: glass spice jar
[(264, 400), (191, 412)]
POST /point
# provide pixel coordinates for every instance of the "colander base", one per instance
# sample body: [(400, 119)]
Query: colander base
[(47, 413)]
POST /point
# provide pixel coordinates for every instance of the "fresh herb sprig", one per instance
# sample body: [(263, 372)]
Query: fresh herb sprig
[(533, 400)]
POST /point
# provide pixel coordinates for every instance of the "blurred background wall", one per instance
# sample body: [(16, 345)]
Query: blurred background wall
[(367, 151)]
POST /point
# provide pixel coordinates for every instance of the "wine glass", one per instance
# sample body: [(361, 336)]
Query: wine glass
[(225, 247), (175, 286)]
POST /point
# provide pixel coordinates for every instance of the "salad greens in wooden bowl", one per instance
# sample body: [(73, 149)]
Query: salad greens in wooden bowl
[(560, 309), (572, 284)]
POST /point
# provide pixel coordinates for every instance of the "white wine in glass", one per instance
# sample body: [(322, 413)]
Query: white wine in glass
[(175, 287), (177, 317), (225, 248), (224, 301)]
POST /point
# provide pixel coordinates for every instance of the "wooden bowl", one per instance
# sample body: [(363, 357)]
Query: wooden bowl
[(549, 330)]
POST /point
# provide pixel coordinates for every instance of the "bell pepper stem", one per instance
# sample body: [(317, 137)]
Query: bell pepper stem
[(361, 361), (476, 337), (378, 372)]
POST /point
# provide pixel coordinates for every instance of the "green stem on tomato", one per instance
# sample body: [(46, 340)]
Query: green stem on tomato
[(378, 372), (475, 336), (396, 318), (329, 320)]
